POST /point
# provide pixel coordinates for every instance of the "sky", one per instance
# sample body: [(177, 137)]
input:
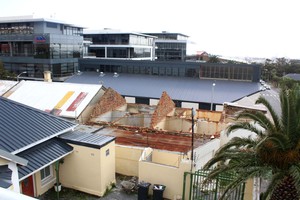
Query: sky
[(234, 28)]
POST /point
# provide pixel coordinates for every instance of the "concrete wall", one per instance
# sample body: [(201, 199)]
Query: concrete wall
[(209, 115), (190, 105), (83, 170), (170, 176), (154, 102), (209, 128), (205, 152), (166, 158), (127, 160), (174, 124), (130, 99)]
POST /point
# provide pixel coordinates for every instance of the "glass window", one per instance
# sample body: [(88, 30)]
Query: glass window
[(46, 174)]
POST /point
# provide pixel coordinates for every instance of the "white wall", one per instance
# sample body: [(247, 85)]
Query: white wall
[(205, 152), (130, 99), (190, 105)]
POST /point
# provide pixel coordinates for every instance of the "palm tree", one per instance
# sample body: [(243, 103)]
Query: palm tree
[(274, 153)]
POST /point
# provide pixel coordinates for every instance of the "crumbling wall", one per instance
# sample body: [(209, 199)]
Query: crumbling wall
[(110, 100), (165, 107)]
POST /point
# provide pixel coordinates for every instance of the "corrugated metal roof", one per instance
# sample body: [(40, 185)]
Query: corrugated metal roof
[(42, 155), (67, 99), (178, 88), (6, 85), (88, 139), (5, 176), (22, 127), (294, 76)]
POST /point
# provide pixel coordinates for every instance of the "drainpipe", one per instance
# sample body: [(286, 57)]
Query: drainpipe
[(57, 177)]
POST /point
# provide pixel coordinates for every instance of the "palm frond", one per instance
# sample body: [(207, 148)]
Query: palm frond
[(274, 115), (246, 126), (259, 118)]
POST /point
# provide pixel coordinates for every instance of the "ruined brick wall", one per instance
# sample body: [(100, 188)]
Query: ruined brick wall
[(163, 108), (110, 100)]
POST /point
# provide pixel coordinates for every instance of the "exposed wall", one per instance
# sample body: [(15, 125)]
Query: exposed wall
[(171, 177), (209, 128), (165, 107), (127, 160), (209, 115), (82, 170), (111, 100), (86, 113)]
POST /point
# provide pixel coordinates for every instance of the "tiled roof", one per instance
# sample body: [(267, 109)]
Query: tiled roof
[(22, 127), (93, 140), (42, 155)]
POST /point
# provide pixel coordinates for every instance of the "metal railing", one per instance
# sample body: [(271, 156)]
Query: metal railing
[(195, 189)]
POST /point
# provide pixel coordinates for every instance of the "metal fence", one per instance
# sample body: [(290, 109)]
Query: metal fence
[(194, 189)]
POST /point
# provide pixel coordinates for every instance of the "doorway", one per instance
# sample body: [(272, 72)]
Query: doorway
[(27, 186)]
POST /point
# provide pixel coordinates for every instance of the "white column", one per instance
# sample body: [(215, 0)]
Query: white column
[(105, 52), (14, 176)]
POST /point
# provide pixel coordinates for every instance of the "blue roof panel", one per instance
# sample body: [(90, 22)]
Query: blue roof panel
[(42, 155), (22, 127)]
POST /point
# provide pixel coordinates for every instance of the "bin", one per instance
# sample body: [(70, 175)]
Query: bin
[(158, 191), (143, 189)]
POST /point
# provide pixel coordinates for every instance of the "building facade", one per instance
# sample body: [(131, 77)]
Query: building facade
[(35, 45), (215, 71), (111, 44), (170, 46)]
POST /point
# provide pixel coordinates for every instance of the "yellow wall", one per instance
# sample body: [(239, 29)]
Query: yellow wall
[(166, 158), (108, 163), (171, 177), (82, 170), (39, 188), (3, 161), (127, 160)]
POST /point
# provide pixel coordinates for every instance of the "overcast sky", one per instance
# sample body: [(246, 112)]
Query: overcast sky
[(250, 28)]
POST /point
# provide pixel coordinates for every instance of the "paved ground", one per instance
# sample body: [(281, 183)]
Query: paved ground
[(117, 193)]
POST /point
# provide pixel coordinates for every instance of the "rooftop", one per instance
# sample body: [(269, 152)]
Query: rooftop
[(179, 88), (31, 18), (23, 127)]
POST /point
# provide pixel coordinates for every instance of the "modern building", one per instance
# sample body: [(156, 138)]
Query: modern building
[(170, 46), (34, 45), (113, 44)]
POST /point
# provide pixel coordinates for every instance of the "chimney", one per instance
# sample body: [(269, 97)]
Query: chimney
[(47, 76)]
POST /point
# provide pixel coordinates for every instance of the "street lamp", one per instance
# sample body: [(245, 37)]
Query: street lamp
[(20, 75), (212, 96)]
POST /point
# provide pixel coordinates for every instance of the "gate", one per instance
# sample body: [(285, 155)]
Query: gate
[(194, 189)]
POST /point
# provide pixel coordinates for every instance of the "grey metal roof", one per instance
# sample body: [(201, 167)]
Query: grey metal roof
[(5, 176), (93, 140), (178, 88), (296, 77), (42, 155), (11, 157), (22, 127)]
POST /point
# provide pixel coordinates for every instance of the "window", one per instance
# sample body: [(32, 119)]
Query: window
[(46, 174), (107, 152)]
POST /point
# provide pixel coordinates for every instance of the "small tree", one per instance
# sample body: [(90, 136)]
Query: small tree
[(4, 74)]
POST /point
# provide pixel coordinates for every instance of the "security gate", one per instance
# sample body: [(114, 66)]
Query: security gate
[(194, 189)]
